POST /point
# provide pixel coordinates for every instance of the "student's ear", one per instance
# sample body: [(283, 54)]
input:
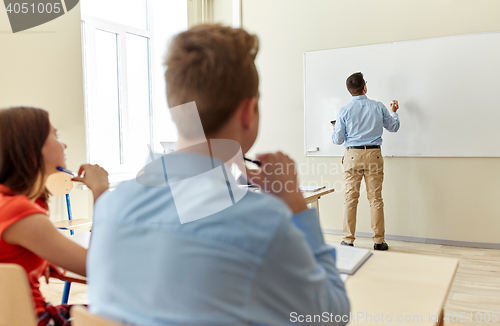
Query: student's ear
[(249, 112)]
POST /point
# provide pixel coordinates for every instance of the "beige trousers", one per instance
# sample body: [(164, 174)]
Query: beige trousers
[(367, 163)]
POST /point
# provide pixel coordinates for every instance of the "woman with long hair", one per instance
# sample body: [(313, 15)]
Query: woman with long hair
[(29, 152)]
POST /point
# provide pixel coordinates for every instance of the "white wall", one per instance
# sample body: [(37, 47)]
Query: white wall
[(42, 67), (223, 12), (444, 198), (447, 198)]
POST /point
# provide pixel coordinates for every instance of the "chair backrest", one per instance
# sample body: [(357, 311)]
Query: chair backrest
[(59, 183), (82, 317), (16, 301)]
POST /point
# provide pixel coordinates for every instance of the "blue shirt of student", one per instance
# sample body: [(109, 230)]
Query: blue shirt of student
[(253, 263)]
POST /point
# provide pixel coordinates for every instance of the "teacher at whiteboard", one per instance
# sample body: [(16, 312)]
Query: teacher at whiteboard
[(359, 126)]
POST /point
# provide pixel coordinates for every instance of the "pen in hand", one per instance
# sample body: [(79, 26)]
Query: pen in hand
[(66, 171), (394, 105), (253, 161)]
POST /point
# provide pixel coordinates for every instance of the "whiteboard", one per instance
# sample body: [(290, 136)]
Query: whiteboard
[(446, 87)]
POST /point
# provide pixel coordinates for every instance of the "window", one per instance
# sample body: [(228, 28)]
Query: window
[(124, 43)]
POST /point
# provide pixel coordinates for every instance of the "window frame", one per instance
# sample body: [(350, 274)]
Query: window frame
[(90, 25)]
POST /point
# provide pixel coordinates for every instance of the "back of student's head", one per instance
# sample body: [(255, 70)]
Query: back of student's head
[(355, 83), (23, 131), (214, 66)]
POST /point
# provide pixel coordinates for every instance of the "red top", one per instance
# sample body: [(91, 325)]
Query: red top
[(14, 208)]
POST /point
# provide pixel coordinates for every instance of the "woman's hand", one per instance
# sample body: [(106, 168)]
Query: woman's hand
[(95, 177), (53, 271)]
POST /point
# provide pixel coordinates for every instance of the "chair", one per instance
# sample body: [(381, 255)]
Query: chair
[(82, 317), (16, 301), (61, 184)]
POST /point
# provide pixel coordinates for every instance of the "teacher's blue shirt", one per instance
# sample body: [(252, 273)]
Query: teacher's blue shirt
[(253, 263), (362, 122)]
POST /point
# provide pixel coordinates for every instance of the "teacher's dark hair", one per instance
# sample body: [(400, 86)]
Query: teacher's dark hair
[(23, 131), (355, 84)]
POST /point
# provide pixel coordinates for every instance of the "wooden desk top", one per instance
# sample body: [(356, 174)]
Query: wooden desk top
[(399, 284), (311, 196), (72, 224)]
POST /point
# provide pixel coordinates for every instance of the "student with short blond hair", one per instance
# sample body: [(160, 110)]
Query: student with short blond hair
[(213, 67), (248, 258)]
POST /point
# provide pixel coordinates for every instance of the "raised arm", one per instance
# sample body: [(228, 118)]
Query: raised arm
[(95, 177), (391, 121)]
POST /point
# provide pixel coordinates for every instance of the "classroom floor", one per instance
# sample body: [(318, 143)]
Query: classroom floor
[(476, 287), (53, 292)]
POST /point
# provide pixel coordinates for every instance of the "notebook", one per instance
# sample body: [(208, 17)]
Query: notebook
[(311, 188), (350, 259)]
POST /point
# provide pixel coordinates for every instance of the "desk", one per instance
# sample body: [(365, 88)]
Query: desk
[(312, 197), (72, 224), (397, 284)]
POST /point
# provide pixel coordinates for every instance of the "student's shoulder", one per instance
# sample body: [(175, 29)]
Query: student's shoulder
[(123, 192), (14, 204), (265, 205), (127, 186), (260, 210), (15, 208), (250, 224)]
